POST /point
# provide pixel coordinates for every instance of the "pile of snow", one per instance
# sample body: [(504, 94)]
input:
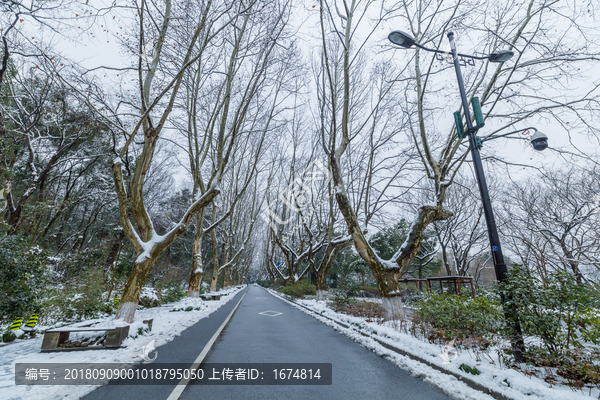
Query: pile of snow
[(167, 324), (511, 383)]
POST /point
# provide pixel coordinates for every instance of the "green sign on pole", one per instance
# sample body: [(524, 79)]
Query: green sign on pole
[(478, 113), (460, 129)]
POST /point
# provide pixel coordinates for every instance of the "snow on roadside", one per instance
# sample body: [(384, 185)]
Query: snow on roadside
[(511, 383), (165, 327)]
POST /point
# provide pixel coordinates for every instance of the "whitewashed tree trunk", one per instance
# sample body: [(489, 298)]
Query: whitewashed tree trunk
[(131, 295), (393, 307)]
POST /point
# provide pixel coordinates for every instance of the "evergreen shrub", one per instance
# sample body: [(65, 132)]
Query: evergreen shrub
[(23, 277), (444, 317), (300, 288)]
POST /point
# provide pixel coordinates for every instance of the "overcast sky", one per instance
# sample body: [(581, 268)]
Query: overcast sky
[(94, 43)]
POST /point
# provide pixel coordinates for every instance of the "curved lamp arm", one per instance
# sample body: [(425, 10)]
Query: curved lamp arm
[(449, 53), (507, 134)]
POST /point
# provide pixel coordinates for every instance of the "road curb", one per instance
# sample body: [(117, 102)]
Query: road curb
[(469, 382)]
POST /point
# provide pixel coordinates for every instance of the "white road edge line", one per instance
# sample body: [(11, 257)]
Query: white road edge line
[(178, 391)]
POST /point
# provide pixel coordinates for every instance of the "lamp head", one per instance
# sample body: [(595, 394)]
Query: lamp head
[(401, 39), (539, 141), (501, 56)]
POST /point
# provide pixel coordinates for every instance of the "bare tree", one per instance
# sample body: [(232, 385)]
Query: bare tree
[(243, 103), (462, 237), (34, 125), (353, 108), (508, 92), (46, 126), (160, 73), (236, 230), (299, 205), (334, 244), (553, 221), (303, 234), (240, 233)]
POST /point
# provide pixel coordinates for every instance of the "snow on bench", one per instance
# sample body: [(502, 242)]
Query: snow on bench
[(53, 338), (210, 296), (115, 335)]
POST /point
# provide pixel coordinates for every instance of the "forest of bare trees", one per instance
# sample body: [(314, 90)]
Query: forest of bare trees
[(223, 142)]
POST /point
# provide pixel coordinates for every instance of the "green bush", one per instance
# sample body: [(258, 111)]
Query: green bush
[(23, 277), (148, 302), (79, 299), (362, 291), (442, 317), (266, 283), (70, 267), (411, 294), (559, 312), (339, 300), (579, 368), (299, 288), (149, 298), (172, 292), (469, 370), (8, 336)]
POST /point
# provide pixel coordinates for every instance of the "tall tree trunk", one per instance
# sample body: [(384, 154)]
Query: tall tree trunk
[(215, 275), (197, 266), (113, 268), (114, 250), (331, 253), (215, 257), (385, 275), (225, 254), (133, 288), (227, 277), (320, 276)]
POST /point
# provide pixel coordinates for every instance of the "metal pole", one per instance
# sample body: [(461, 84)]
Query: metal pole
[(497, 256)]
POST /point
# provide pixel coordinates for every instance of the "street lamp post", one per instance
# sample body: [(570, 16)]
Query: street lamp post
[(497, 256), (539, 141), (499, 264)]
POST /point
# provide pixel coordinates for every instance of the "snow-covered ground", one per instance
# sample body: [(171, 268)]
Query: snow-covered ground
[(165, 327), (509, 382)]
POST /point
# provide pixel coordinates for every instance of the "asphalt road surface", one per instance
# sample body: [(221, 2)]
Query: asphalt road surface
[(288, 337)]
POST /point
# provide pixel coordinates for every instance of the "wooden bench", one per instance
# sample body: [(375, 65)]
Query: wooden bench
[(53, 338), (211, 296)]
